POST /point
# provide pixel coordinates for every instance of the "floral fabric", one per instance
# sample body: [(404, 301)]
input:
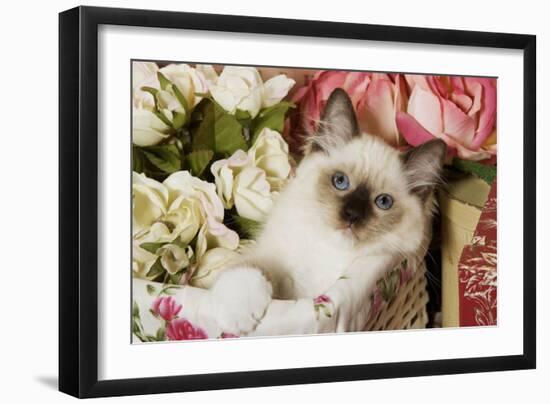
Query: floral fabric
[(165, 312), (477, 269)]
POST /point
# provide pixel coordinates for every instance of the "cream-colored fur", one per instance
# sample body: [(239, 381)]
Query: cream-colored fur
[(300, 253)]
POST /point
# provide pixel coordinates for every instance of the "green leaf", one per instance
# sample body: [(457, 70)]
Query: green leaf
[(163, 118), (242, 115), (137, 331), (244, 118), (155, 270), (161, 334), (204, 137), (164, 82), (218, 131), (137, 160), (249, 228), (486, 172), (198, 161), (176, 278), (165, 157), (151, 90), (181, 98), (151, 247), (169, 290), (179, 120), (151, 290), (272, 118), (135, 310), (228, 133)]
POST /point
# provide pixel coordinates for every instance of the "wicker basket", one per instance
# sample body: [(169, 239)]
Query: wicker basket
[(407, 310)]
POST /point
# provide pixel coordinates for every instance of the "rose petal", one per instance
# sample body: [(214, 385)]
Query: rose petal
[(377, 111), (275, 89), (425, 107), (411, 130), (457, 124)]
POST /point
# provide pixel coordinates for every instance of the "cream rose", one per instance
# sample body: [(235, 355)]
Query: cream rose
[(275, 89), (241, 184), (144, 74), (148, 129), (215, 234), (252, 194), (225, 171), (210, 265), (188, 81), (270, 153), (149, 200), (168, 216), (239, 88), (174, 258), (242, 88), (248, 181), (142, 258), (183, 184)]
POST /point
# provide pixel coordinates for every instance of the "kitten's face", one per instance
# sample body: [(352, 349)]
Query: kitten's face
[(362, 189), (365, 188)]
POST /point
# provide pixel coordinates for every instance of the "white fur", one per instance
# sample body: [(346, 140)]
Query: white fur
[(239, 298), (300, 253)]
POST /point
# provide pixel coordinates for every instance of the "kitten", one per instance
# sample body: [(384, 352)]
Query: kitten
[(353, 195)]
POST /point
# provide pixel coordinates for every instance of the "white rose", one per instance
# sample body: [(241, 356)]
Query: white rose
[(211, 262), (188, 81), (142, 259), (182, 183), (184, 218), (252, 194), (173, 214), (144, 74), (174, 258), (149, 201), (225, 171), (275, 89), (270, 153), (148, 129), (242, 88), (239, 88), (169, 103), (215, 234), (209, 73)]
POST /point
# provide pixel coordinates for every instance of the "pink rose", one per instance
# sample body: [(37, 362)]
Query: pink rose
[(311, 100), (385, 97), (459, 110), (166, 307), (181, 329), (376, 97)]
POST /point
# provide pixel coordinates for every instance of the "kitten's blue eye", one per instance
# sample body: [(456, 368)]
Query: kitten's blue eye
[(384, 201), (340, 181)]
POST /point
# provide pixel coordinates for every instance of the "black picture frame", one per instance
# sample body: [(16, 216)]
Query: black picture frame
[(78, 200)]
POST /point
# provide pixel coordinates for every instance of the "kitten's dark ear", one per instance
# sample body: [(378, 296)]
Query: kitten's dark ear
[(424, 166), (338, 122)]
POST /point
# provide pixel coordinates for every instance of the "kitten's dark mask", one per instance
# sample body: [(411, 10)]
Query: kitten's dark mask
[(359, 207), (369, 203)]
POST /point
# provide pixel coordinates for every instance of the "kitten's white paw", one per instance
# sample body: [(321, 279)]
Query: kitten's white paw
[(239, 299)]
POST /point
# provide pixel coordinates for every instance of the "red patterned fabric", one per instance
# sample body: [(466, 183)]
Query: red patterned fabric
[(477, 269)]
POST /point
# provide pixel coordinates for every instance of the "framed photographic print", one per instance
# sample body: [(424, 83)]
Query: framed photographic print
[(250, 201)]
